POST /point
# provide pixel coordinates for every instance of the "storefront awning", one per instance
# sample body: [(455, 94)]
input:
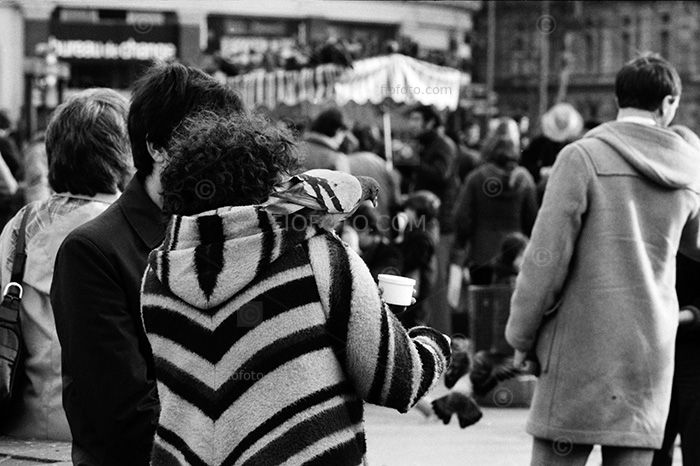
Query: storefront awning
[(396, 77)]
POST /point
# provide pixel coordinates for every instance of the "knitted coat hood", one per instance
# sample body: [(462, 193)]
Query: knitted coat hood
[(663, 155), (194, 261), (266, 340)]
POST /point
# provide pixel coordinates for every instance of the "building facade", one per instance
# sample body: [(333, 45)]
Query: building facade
[(108, 42), (588, 43)]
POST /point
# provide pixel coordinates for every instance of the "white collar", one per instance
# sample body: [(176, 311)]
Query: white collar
[(638, 119)]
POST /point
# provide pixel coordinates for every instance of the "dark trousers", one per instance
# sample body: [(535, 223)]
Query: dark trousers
[(683, 419)]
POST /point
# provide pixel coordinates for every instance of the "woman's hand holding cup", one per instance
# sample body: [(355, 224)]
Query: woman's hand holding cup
[(398, 292)]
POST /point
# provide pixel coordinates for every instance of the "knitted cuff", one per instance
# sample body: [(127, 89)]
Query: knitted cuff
[(434, 335)]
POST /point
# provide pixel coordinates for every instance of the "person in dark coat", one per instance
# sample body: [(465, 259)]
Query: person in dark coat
[(684, 415), (109, 387), (322, 142), (497, 199), (561, 125), (435, 172)]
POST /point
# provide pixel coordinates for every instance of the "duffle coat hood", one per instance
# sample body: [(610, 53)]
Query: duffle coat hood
[(595, 297)]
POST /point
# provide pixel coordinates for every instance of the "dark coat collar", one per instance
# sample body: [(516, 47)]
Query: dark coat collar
[(428, 137), (144, 216)]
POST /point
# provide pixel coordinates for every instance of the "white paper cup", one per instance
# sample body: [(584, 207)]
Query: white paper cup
[(396, 290)]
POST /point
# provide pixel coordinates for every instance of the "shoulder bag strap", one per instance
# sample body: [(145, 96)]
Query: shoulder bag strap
[(20, 252)]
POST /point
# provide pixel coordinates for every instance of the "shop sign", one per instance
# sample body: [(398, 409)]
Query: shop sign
[(109, 50)]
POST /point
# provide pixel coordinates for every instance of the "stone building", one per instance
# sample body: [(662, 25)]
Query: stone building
[(588, 43)]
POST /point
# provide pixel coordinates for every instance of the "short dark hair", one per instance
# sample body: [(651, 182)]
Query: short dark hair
[(424, 203), (162, 97), (429, 113), (87, 144), (644, 82), (328, 122), (221, 160)]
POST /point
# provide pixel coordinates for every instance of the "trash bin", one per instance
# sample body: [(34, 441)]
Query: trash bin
[(488, 307)]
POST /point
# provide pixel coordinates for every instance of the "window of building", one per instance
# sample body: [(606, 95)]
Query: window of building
[(626, 46), (664, 46), (590, 51)]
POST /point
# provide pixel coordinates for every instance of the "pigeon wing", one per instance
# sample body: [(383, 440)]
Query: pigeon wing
[(338, 192), (489, 369), (300, 193)]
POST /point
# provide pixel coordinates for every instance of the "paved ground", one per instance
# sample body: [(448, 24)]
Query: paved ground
[(498, 439), (393, 439)]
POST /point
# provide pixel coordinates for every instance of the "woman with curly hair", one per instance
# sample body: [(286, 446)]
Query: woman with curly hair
[(266, 338)]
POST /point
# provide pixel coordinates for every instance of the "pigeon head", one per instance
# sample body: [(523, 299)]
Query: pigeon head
[(370, 189)]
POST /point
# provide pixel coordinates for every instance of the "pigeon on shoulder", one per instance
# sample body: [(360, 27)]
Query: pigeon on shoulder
[(325, 197)]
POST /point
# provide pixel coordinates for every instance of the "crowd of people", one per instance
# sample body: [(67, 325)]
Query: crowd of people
[(343, 52), (169, 319)]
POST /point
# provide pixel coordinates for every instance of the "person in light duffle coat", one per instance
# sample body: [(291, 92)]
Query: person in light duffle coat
[(595, 300)]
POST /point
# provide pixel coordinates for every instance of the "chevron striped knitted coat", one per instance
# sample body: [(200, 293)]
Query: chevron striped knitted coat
[(266, 340)]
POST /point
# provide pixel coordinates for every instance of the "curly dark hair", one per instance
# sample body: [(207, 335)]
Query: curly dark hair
[(218, 161)]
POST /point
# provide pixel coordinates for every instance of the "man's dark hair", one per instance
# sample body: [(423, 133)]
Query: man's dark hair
[(162, 97), (644, 82), (429, 113), (329, 122), (87, 144), (219, 160)]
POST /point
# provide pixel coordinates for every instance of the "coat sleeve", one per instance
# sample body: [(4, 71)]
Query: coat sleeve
[(101, 353), (551, 247), (388, 365), (529, 207), (463, 219)]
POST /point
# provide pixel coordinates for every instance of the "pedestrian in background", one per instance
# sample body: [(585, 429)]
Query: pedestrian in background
[(366, 162), (435, 172), (88, 143), (109, 388), (684, 414), (321, 148), (497, 199), (561, 125), (595, 299)]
